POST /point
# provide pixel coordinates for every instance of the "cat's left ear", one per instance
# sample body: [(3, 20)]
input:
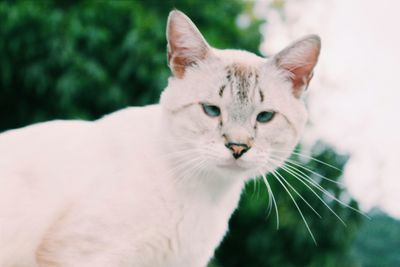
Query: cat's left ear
[(299, 60), (186, 45)]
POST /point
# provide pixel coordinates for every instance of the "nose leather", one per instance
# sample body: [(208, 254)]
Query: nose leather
[(237, 149)]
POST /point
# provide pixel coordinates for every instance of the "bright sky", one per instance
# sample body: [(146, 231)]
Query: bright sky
[(354, 98)]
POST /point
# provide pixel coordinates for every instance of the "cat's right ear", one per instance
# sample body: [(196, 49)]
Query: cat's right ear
[(186, 45)]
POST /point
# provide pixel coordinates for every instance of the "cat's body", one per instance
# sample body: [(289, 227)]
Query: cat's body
[(123, 221), (152, 186)]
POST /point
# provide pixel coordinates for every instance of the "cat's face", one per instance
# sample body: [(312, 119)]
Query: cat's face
[(230, 111)]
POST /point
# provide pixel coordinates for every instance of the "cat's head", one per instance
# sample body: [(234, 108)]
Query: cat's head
[(231, 111)]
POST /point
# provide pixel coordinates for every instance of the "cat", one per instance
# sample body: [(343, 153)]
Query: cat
[(154, 186)]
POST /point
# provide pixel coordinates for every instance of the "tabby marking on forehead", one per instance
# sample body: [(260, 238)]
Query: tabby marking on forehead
[(221, 90), (243, 81), (261, 95)]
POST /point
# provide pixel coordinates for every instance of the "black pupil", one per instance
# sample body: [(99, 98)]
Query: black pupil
[(212, 111), (265, 116)]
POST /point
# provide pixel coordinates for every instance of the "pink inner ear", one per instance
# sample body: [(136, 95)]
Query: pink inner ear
[(185, 44), (300, 77), (177, 63), (180, 57), (301, 73)]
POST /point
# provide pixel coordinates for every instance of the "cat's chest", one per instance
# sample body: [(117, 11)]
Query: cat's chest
[(163, 229), (199, 228), (180, 228)]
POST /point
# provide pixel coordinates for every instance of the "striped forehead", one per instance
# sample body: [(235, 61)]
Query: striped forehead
[(242, 84)]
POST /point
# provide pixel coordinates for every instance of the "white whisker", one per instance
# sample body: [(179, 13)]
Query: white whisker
[(292, 162), (308, 157), (194, 169), (304, 176), (288, 170), (302, 198), (276, 174), (271, 196)]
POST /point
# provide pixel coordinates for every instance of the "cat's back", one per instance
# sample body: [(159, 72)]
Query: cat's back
[(63, 141), (39, 138)]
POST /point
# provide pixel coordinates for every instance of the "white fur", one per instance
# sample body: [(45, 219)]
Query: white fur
[(142, 186)]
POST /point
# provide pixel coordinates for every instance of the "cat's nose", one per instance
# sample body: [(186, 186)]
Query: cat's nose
[(237, 149)]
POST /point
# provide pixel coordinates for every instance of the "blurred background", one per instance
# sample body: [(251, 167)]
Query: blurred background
[(75, 59)]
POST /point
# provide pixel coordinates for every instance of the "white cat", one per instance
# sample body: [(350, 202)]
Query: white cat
[(153, 186)]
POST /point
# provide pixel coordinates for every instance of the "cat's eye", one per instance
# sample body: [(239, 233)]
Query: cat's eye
[(211, 110), (265, 116)]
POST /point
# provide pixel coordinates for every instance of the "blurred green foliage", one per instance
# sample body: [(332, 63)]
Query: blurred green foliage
[(378, 241), (83, 59)]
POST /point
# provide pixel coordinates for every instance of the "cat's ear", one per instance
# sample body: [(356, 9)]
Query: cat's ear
[(299, 60), (186, 45)]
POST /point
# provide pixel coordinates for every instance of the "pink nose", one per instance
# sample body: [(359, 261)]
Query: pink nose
[(237, 149)]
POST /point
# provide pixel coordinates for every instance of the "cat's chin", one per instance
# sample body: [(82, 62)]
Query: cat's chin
[(234, 167)]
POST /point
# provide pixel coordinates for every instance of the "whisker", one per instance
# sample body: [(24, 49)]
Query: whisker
[(270, 204), (302, 198), (255, 187), (181, 165), (288, 170), (195, 168), (182, 162), (271, 196), (292, 162), (276, 174), (304, 176), (308, 157)]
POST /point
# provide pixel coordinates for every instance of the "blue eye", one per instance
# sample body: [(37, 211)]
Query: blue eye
[(265, 116), (211, 110)]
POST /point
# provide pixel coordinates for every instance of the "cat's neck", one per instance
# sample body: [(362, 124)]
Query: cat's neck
[(208, 185), (213, 187)]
